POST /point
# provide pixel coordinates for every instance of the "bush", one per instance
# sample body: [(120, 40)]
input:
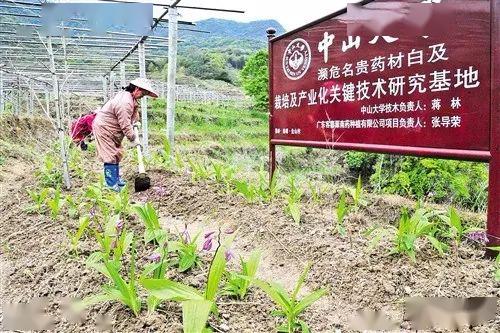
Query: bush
[(255, 78), (441, 181), (360, 163)]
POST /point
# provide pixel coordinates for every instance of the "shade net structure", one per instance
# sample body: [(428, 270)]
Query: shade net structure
[(67, 65)]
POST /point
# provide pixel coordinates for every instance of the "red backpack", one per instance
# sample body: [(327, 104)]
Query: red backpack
[(81, 128)]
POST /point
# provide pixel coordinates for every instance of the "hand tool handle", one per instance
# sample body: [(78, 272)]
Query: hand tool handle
[(139, 152)]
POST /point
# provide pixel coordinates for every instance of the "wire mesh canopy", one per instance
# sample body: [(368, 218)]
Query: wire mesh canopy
[(81, 57), (58, 53)]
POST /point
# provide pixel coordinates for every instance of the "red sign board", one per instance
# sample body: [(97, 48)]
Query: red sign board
[(393, 77), (399, 89)]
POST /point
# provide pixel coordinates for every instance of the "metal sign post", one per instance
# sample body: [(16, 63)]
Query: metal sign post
[(493, 223)]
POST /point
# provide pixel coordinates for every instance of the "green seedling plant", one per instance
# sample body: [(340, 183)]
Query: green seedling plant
[(237, 284), (72, 206), (497, 262), (316, 192), (75, 163), (409, 230), (218, 172), (342, 211), (290, 307), (457, 230), (223, 174), (75, 237), (228, 174), (49, 175), (196, 305), (179, 162), (246, 189), (55, 204), (199, 170), (357, 194), (120, 202), (119, 289), (39, 198), (266, 190), (165, 154), (293, 201), (187, 251), (148, 215), (96, 196), (113, 238), (156, 269)]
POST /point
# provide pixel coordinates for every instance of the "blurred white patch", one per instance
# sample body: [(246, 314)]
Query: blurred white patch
[(27, 316), (370, 320), (71, 311), (104, 323), (450, 313)]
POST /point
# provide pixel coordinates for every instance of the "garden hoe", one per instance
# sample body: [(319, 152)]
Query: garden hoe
[(142, 181)]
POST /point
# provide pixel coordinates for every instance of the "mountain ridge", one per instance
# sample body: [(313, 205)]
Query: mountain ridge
[(230, 33)]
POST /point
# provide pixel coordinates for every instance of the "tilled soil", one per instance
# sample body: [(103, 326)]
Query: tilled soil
[(35, 259)]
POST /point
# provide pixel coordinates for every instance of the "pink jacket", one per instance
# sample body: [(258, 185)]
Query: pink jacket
[(112, 123)]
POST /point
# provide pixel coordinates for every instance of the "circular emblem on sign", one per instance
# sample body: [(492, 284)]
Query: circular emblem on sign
[(296, 59)]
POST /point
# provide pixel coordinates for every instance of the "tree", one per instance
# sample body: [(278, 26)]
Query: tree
[(255, 78)]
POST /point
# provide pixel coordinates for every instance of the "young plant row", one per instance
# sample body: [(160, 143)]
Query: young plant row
[(103, 215), (412, 231)]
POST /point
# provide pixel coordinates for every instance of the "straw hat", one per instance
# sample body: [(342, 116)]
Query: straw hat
[(146, 85)]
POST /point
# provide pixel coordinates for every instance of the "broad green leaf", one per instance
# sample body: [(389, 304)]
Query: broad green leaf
[(84, 223), (357, 196), (170, 290), (152, 303), (94, 261), (186, 261), (438, 245), (195, 315), (119, 283), (300, 281), (149, 269), (294, 209), (274, 294), (217, 269), (308, 300), (455, 220), (95, 299), (341, 208), (303, 326), (128, 241), (250, 269)]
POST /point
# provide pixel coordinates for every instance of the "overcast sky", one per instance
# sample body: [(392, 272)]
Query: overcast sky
[(291, 14)]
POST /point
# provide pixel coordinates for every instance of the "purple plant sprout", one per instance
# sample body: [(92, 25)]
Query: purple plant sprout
[(119, 225), (209, 234), (478, 237), (229, 254), (229, 231), (209, 240), (207, 245), (186, 238), (92, 212), (154, 257)]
